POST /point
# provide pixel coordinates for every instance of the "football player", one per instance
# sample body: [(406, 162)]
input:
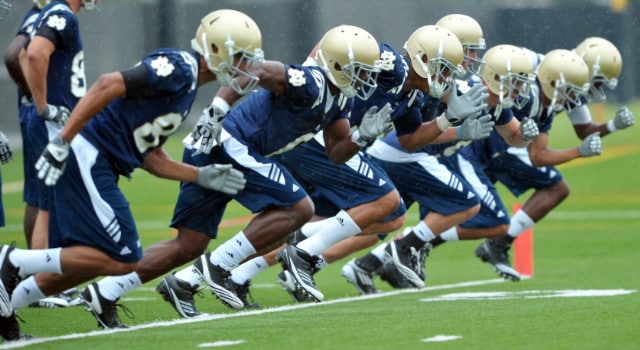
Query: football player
[(12, 62), (120, 125), (513, 168)]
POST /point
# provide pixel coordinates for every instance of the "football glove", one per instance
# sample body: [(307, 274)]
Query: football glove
[(591, 145), (623, 119), (56, 114), (6, 153), (374, 123), (52, 161), (460, 107), (208, 129), (475, 128), (221, 177), (528, 129)]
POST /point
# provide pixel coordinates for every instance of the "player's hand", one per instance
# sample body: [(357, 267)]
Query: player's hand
[(528, 129), (374, 123), (623, 118), (463, 106), (56, 114), (476, 128), (221, 177), (6, 153), (208, 129), (52, 161), (591, 145)]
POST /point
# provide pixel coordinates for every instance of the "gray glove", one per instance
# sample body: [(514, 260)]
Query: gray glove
[(528, 129), (475, 128), (591, 145), (52, 161), (461, 107), (221, 177), (623, 118), (6, 154), (208, 129), (56, 114), (374, 123)]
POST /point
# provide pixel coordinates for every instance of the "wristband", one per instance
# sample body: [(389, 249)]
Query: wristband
[(443, 123), (221, 104), (355, 138), (458, 133), (611, 126)]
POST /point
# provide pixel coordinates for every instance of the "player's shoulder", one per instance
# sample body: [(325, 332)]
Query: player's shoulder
[(177, 69)]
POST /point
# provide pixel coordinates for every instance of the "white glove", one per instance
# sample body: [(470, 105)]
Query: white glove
[(374, 123), (528, 129), (208, 129), (221, 177), (6, 154), (475, 128), (461, 107), (591, 145), (51, 163), (622, 120), (56, 114)]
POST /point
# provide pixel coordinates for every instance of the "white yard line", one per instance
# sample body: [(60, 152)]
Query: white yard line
[(211, 317)]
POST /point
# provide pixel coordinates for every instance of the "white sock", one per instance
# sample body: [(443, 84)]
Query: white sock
[(378, 252), (32, 261), (311, 228), (340, 227), (232, 252), (26, 292), (423, 232), (113, 287), (519, 223), (189, 275), (450, 234), (249, 270)]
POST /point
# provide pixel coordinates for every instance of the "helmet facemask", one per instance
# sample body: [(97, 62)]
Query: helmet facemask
[(230, 72), (566, 95), (439, 73), (598, 83), (473, 65), (361, 76)]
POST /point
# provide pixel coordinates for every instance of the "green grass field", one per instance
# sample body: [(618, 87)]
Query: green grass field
[(583, 294)]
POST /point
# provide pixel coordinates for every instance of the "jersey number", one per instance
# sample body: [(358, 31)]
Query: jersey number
[(148, 134), (78, 80)]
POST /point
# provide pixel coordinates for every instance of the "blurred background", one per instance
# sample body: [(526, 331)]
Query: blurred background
[(124, 31)]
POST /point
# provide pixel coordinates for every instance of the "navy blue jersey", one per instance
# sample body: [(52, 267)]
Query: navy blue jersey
[(271, 123), (391, 89), (128, 128), (66, 82)]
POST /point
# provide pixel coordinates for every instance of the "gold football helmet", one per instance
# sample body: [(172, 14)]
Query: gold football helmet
[(604, 62), (564, 78), (229, 40), (436, 54), (508, 73), (350, 57), (471, 37)]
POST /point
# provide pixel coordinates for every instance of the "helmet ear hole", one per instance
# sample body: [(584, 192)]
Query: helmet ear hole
[(337, 67), (214, 49)]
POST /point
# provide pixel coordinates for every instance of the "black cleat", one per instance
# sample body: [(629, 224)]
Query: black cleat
[(9, 279), (10, 330), (407, 260), (242, 290), (360, 278), (495, 251), (285, 279), (301, 266), (217, 278), (102, 309), (180, 295)]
